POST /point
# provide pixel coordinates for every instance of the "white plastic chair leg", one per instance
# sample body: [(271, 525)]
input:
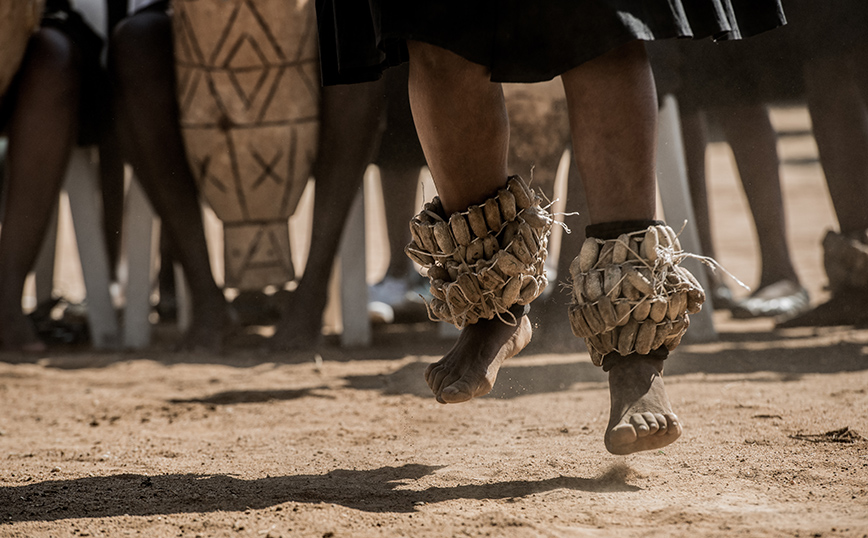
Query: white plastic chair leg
[(354, 286), (82, 187), (678, 208), (138, 233)]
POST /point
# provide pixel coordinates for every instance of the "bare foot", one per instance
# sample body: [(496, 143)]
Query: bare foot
[(17, 334), (300, 325), (640, 417), (208, 329), (470, 368)]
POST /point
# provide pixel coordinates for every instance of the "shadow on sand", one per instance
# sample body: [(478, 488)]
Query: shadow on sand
[(375, 490)]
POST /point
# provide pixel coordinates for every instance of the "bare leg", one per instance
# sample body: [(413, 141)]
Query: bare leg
[(400, 159), (695, 135), (462, 124), (41, 132), (613, 118), (837, 95), (463, 127), (840, 121), (399, 196), (111, 167), (754, 144), (349, 134), (695, 132), (142, 64)]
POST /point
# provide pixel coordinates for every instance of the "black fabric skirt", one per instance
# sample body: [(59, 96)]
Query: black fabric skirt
[(519, 40)]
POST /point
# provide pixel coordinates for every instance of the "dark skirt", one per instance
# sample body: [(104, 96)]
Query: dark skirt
[(519, 40)]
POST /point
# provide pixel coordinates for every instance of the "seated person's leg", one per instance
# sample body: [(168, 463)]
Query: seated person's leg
[(42, 131), (349, 127), (754, 143), (143, 71)]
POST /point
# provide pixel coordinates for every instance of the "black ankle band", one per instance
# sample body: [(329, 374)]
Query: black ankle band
[(611, 230), (611, 359)]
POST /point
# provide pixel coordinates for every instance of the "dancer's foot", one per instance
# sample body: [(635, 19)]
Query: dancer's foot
[(640, 417), (470, 368)]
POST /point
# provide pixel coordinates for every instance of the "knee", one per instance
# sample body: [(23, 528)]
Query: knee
[(53, 63), (139, 45)]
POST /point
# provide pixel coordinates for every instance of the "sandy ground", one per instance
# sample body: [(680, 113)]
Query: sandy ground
[(350, 443)]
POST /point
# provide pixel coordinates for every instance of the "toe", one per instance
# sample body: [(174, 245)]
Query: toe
[(651, 421), (639, 424), (444, 378), (429, 371), (448, 379), (662, 423), (435, 378), (456, 392), (673, 426)]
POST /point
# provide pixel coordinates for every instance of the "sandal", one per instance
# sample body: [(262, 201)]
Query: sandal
[(784, 300)]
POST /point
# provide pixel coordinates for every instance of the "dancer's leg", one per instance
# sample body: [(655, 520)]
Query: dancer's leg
[(613, 118), (463, 127)]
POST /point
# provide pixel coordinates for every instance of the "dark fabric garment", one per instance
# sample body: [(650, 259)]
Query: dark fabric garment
[(613, 359), (399, 145), (765, 69), (828, 28), (612, 230), (519, 41)]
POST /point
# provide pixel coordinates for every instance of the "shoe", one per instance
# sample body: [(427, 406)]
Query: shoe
[(784, 300), (845, 309), (721, 297), (389, 291), (392, 296), (380, 313)]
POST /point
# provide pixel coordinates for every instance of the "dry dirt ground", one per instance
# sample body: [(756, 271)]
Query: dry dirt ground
[(349, 443)]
